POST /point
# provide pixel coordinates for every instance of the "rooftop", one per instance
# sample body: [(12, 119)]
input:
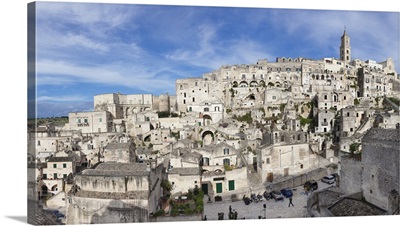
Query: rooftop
[(353, 207), (185, 171), (118, 145), (118, 169), (375, 134), (113, 195), (61, 159)]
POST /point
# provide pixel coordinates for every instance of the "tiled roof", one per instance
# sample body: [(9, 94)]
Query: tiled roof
[(185, 171), (61, 159), (118, 169), (352, 207), (118, 145), (375, 134)]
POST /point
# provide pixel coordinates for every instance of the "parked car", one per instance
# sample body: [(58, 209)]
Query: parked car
[(287, 192), (311, 185), (277, 195), (60, 215), (328, 179)]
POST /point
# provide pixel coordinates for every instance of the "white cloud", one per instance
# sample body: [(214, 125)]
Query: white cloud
[(71, 98), (80, 40)]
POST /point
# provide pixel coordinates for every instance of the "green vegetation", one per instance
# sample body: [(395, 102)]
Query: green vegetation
[(394, 100), (166, 185), (304, 121), (228, 110), (166, 114), (159, 213), (356, 101), (271, 84), (244, 118), (192, 205), (228, 167), (354, 148), (40, 121)]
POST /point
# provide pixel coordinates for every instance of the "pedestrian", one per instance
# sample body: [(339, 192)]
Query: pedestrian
[(290, 202), (230, 209), (205, 217)]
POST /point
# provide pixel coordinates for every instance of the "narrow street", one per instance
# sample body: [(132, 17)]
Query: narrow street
[(254, 210)]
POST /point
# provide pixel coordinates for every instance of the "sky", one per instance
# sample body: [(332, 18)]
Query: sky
[(14, 99), (86, 49)]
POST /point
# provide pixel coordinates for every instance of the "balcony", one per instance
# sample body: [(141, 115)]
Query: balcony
[(324, 123), (83, 124)]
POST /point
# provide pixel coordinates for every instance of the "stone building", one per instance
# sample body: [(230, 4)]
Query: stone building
[(54, 173), (115, 193), (91, 122), (381, 162), (120, 152), (375, 173)]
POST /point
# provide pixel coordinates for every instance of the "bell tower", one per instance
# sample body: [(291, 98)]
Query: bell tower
[(345, 49)]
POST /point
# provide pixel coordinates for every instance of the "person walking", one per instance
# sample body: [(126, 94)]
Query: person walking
[(230, 209), (290, 202)]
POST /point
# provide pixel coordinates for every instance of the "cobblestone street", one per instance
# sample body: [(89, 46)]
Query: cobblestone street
[(254, 210)]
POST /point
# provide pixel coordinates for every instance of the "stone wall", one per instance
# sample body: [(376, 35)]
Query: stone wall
[(195, 217), (112, 183), (102, 211), (350, 175), (381, 171)]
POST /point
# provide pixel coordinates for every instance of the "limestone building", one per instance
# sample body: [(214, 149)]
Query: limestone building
[(115, 193)]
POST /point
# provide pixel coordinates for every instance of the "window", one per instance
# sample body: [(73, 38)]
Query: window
[(44, 176), (195, 83), (79, 120), (274, 97), (38, 142), (268, 161), (64, 165), (325, 97), (231, 185), (206, 109), (85, 120), (254, 76), (243, 76), (190, 108), (226, 151), (181, 86), (219, 187), (55, 176), (100, 120), (54, 165), (184, 101), (227, 162), (184, 94), (193, 99), (65, 176)]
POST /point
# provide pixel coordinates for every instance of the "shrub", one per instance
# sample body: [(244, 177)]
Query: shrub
[(158, 213)]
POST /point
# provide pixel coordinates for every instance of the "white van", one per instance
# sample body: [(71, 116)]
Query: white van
[(328, 179)]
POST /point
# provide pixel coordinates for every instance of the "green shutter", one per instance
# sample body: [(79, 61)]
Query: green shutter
[(231, 185), (219, 187)]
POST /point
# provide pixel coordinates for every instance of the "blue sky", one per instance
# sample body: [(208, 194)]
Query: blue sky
[(85, 49)]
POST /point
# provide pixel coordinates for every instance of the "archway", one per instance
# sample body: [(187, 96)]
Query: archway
[(54, 188), (253, 84), (44, 191), (207, 120), (207, 137), (243, 84), (234, 84)]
